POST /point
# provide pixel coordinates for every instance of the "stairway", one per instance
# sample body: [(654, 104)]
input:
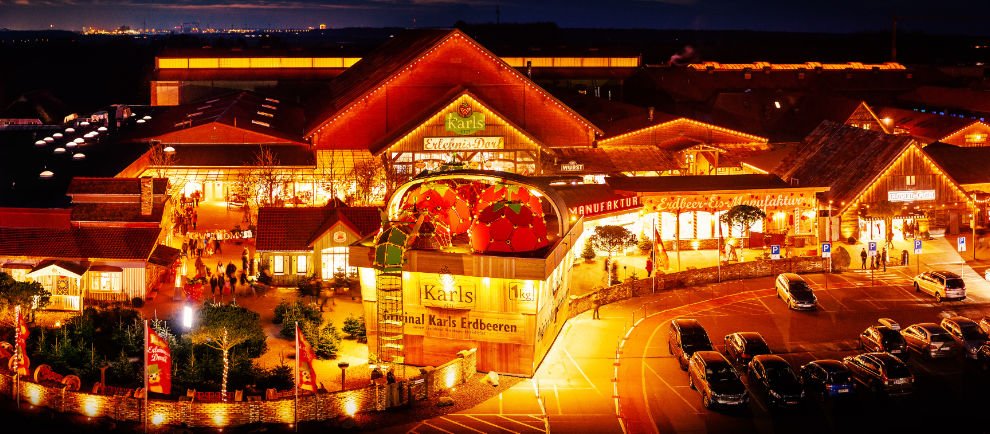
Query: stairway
[(391, 317)]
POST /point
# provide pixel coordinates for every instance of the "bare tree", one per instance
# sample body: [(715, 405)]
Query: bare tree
[(394, 175), (267, 177), (367, 175), (328, 175)]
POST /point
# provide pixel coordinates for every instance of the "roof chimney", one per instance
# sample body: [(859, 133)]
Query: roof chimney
[(649, 112), (147, 195)]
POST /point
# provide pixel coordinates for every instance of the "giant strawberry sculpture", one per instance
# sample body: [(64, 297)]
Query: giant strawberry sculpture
[(508, 227)]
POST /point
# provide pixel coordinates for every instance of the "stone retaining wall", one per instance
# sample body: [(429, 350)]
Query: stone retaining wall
[(701, 276), (320, 406)]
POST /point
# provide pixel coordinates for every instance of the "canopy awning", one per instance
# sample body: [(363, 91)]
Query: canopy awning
[(56, 267)]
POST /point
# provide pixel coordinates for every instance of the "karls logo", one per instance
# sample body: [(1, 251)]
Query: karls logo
[(464, 120), (456, 296)]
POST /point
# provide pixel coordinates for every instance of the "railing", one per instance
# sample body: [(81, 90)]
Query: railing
[(63, 302)]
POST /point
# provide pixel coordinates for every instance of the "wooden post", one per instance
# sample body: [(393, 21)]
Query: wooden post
[(144, 374)]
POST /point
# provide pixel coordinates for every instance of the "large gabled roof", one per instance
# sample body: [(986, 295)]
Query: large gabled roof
[(296, 229), (967, 165), (846, 159), (929, 127), (243, 110), (80, 243), (391, 59)]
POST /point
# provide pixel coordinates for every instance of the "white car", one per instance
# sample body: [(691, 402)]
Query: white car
[(941, 284)]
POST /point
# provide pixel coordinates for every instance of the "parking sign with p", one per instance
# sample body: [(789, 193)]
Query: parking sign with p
[(774, 251), (917, 247), (826, 249), (872, 247)]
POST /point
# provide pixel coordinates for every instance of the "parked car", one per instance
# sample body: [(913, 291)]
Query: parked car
[(930, 340), (794, 290), (881, 338), (774, 375), (742, 346), (711, 374), (983, 356), (827, 378), (985, 325), (891, 324), (881, 373), (686, 337), (966, 333), (944, 285)]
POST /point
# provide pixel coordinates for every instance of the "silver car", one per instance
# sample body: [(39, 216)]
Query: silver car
[(941, 284), (966, 333), (794, 290), (929, 339)]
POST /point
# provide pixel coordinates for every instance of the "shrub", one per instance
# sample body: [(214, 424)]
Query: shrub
[(137, 302), (840, 258), (645, 244), (327, 342), (288, 314), (589, 252), (355, 328)]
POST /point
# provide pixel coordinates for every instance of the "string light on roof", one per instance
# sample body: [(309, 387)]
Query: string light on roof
[(46, 174), (71, 145), (146, 118), (57, 135), (70, 130), (79, 156), (140, 121), (40, 143), (84, 124), (168, 149), (101, 129), (59, 150), (48, 139), (79, 140)]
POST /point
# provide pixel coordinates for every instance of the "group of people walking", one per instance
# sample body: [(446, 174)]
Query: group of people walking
[(205, 244), (878, 261)]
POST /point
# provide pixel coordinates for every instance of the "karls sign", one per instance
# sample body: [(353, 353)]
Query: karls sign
[(464, 120), (910, 195), (448, 293), (463, 143), (726, 201), (606, 206)]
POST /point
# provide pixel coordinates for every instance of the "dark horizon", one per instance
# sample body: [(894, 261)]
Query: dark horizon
[(841, 16)]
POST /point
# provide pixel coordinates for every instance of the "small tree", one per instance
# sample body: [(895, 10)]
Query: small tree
[(612, 239), (645, 243), (367, 176), (885, 210), (23, 294), (744, 216), (223, 327), (354, 327), (268, 177), (840, 258), (589, 251)]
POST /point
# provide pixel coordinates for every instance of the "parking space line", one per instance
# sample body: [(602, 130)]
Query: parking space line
[(489, 423), (518, 422), (460, 424), (581, 371), (436, 427), (665, 383)]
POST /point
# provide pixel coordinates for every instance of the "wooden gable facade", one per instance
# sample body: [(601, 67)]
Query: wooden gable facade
[(498, 144), (974, 134), (454, 62), (682, 133), (912, 179), (864, 117), (219, 133)]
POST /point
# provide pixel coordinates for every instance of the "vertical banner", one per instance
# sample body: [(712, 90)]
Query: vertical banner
[(20, 350), (159, 370), (306, 377)]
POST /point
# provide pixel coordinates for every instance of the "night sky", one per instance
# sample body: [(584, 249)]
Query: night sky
[(943, 16)]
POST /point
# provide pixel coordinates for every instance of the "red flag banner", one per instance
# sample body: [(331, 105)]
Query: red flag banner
[(159, 364), (23, 363), (306, 374), (662, 261)]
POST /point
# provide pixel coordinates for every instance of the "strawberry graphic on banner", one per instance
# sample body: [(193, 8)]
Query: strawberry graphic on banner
[(159, 369), (22, 333), (305, 375), (662, 261)]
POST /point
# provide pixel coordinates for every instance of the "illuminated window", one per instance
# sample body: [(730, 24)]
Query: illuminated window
[(272, 100), (105, 281), (909, 180), (301, 265), (266, 114), (335, 261), (269, 107), (257, 122), (976, 139), (278, 264)]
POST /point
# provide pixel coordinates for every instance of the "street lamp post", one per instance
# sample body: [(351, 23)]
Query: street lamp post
[(343, 373)]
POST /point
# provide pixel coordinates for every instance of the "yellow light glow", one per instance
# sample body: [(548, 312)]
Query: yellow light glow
[(91, 406), (158, 419), (450, 378), (219, 419), (350, 407), (34, 395), (695, 244)]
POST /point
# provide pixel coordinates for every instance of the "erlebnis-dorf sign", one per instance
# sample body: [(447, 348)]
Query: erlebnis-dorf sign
[(725, 201)]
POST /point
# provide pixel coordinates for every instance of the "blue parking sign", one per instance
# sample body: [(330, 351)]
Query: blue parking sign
[(961, 244), (827, 249), (872, 248), (775, 251), (917, 247)]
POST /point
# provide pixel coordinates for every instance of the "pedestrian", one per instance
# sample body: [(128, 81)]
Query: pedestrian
[(904, 257), (231, 270), (862, 257), (195, 219), (649, 267), (213, 286), (244, 259), (199, 247), (390, 377), (219, 267), (216, 245), (376, 374), (596, 302), (883, 259), (195, 197)]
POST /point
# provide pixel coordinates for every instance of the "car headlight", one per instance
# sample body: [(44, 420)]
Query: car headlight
[(973, 350), (774, 394)]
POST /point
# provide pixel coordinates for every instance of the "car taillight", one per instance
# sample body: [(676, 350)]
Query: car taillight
[(932, 347), (743, 355), (828, 385), (887, 381)]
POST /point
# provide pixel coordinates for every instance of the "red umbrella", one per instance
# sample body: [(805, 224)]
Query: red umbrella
[(508, 226)]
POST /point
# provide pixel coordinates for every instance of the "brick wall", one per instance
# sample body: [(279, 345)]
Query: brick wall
[(322, 406), (701, 276)]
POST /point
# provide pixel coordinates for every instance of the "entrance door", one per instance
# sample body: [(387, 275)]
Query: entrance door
[(65, 292)]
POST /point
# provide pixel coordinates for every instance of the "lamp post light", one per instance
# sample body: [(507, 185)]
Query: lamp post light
[(343, 373)]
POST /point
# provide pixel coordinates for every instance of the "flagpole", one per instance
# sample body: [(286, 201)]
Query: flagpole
[(656, 257), (145, 418), (295, 381)]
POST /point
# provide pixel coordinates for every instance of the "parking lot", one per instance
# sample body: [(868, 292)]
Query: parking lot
[(950, 394)]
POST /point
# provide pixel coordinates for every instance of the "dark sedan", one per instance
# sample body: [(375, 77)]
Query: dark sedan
[(741, 347), (774, 375), (881, 373)]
